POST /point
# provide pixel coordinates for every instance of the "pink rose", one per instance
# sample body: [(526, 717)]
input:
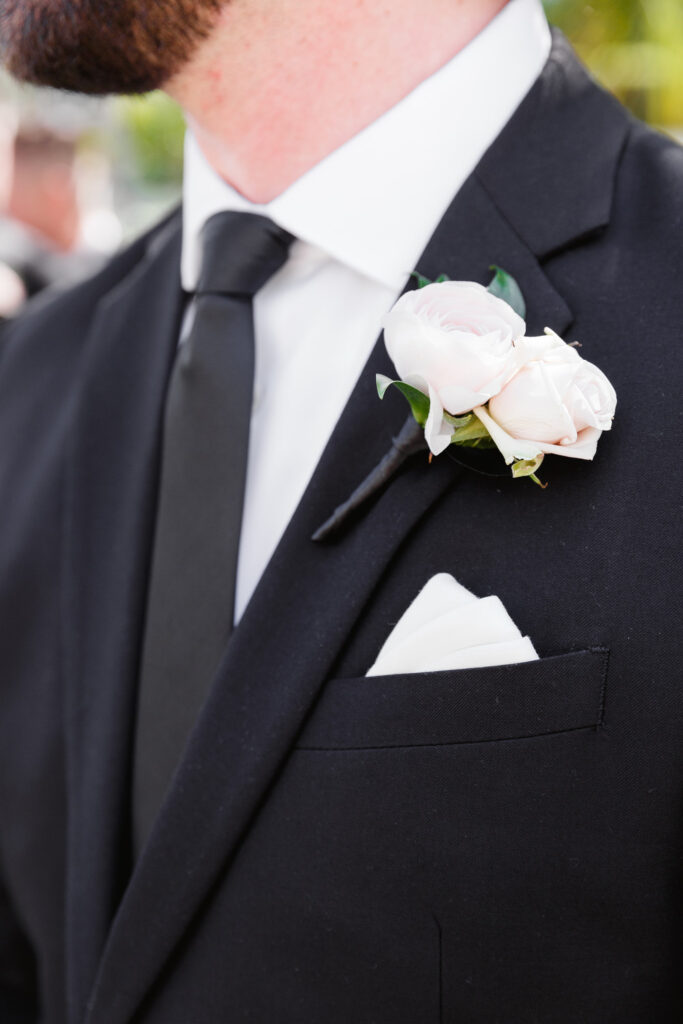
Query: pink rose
[(556, 403), (454, 341)]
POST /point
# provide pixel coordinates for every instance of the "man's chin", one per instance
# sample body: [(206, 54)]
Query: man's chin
[(65, 76), (99, 48)]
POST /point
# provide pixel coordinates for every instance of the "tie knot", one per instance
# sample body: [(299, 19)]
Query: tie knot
[(240, 251)]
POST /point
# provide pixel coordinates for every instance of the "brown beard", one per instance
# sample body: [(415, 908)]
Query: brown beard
[(102, 46)]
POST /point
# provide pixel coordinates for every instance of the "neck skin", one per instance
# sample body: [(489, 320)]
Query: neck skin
[(280, 84)]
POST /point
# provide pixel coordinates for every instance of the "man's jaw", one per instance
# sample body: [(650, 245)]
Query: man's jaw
[(99, 47)]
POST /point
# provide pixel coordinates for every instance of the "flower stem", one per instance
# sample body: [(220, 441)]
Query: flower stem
[(409, 441)]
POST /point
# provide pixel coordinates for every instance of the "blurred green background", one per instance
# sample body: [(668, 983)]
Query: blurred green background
[(635, 47)]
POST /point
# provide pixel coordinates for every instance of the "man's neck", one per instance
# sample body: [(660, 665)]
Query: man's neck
[(282, 83)]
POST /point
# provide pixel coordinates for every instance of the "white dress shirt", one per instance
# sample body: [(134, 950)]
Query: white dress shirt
[(362, 217)]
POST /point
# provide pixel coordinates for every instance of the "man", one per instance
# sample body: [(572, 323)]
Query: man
[(497, 844), (40, 218)]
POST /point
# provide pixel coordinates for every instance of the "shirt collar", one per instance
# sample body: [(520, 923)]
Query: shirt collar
[(374, 203)]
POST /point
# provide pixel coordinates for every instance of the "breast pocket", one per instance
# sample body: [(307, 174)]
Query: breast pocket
[(536, 698)]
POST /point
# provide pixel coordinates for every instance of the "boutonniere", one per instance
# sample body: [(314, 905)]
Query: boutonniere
[(473, 378)]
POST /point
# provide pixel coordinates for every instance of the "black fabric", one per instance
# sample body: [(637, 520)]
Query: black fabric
[(499, 845), (18, 987), (473, 706), (190, 606)]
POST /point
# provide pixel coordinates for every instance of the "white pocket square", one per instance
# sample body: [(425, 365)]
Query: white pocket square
[(448, 627)]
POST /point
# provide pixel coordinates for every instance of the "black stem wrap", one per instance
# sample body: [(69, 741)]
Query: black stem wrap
[(409, 441)]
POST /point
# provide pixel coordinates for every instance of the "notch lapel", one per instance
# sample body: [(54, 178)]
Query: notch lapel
[(111, 481)]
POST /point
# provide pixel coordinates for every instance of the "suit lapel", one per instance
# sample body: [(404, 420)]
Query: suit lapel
[(311, 595), (111, 481)]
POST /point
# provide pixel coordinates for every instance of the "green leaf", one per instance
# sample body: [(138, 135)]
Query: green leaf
[(471, 433), (528, 467), (422, 281), (419, 403), (481, 442), (457, 421), (382, 382), (504, 287)]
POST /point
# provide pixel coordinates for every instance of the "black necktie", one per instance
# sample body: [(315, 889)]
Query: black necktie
[(190, 603)]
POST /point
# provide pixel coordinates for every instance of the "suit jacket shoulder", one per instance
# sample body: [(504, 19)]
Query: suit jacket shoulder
[(39, 349), (649, 210), (41, 358)]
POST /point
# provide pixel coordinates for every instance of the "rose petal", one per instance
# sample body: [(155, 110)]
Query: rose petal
[(438, 432), (458, 338), (531, 404), (511, 448), (584, 447)]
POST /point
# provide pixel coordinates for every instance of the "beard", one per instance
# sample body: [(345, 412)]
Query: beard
[(102, 46)]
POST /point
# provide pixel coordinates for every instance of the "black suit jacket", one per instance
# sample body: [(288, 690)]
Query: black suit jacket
[(489, 845)]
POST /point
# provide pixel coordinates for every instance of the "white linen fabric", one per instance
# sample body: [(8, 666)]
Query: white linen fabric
[(448, 627), (362, 218)]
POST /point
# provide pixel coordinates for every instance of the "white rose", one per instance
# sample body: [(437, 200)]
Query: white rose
[(454, 341), (556, 403)]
